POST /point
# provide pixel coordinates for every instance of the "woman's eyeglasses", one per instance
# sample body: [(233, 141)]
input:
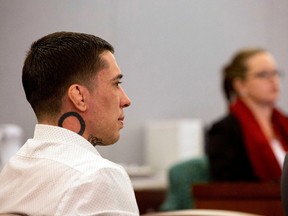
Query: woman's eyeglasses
[(268, 74)]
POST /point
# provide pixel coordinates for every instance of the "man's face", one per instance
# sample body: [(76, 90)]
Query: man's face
[(106, 103)]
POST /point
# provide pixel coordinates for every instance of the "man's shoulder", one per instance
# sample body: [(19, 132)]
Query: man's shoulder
[(97, 164)]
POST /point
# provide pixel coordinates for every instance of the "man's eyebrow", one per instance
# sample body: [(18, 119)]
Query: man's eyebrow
[(118, 77)]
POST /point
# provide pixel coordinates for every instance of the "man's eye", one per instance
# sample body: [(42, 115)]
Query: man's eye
[(118, 83)]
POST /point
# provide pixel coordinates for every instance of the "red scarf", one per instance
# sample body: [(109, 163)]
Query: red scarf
[(259, 151)]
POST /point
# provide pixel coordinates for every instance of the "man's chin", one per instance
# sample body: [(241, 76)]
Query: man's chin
[(111, 141)]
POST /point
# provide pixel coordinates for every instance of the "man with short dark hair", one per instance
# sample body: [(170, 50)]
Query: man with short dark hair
[(72, 82)]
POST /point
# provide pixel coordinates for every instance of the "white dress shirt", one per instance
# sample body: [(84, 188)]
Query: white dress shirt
[(278, 151), (60, 173)]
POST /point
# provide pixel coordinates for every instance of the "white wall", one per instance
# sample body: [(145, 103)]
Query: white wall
[(170, 52)]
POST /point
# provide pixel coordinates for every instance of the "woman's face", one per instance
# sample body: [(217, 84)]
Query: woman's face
[(261, 84)]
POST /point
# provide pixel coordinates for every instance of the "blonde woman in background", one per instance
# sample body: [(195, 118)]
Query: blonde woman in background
[(250, 142)]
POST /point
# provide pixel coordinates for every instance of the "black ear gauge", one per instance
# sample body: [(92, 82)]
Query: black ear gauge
[(76, 115)]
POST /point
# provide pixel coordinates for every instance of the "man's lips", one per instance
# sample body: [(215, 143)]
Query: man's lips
[(121, 120)]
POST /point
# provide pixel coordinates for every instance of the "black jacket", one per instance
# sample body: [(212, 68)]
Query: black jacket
[(227, 153), (284, 186)]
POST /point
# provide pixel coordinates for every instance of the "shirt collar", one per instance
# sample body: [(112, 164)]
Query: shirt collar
[(54, 133)]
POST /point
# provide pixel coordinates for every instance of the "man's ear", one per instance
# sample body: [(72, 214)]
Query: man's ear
[(78, 95)]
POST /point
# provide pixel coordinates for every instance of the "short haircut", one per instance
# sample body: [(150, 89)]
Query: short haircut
[(56, 61)]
